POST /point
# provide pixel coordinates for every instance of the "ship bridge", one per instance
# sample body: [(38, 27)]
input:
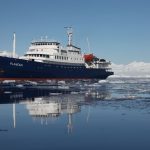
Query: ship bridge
[(73, 49), (44, 47), (37, 43)]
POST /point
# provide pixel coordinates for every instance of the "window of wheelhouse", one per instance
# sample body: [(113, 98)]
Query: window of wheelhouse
[(47, 56)]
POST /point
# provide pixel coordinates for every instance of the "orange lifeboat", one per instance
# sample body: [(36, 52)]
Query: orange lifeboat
[(88, 57)]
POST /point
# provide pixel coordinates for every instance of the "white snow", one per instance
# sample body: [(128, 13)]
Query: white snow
[(133, 69)]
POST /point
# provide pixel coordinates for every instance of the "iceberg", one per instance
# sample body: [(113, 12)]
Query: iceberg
[(133, 69)]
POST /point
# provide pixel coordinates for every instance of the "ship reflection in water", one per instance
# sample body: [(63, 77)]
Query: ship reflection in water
[(52, 107), (106, 115), (46, 103)]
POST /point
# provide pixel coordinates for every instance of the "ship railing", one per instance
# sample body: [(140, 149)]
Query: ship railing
[(101, 62)]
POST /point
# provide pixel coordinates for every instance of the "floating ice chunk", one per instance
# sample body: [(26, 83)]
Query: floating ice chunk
[(102, 81)]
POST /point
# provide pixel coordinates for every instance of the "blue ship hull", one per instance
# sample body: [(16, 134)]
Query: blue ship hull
[(14, 68)]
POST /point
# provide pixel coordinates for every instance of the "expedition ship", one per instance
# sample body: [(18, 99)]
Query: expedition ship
[(47, 59)]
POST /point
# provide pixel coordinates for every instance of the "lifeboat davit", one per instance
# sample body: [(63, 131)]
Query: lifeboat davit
[(88, 57)]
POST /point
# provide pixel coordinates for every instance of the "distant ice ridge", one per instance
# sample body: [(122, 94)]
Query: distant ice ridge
[(5, 53), (133, 69)]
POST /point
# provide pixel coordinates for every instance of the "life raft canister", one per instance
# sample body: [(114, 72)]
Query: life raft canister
[(88, 57)]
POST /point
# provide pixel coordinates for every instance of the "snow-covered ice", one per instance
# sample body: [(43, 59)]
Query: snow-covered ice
[(133, 69)]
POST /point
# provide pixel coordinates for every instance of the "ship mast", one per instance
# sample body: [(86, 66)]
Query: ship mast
[(69, 33), (14, 45)]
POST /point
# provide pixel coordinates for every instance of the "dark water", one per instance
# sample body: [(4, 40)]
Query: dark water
[(109, 115)]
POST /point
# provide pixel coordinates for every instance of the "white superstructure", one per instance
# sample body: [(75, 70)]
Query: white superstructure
[(48, 51), (52, 51), (45, 50)]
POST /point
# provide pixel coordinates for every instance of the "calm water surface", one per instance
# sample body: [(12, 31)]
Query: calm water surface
[(107, 115)]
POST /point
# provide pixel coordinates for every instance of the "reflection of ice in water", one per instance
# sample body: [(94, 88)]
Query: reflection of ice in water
[(130, 93)]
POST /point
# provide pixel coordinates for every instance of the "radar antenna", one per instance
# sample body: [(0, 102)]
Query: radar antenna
[(69, 33)]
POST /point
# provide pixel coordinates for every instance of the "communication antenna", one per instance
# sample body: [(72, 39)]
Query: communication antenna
[(46, 37), (41, 39), (88, 45), (69, 33)]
